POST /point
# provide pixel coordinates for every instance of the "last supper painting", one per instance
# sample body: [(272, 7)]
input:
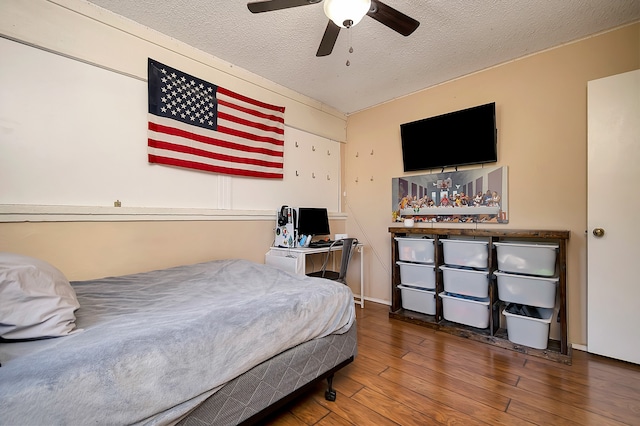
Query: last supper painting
[(477, 195)]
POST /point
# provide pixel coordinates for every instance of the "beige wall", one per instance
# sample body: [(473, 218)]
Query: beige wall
[(541, 105), (85, 250)]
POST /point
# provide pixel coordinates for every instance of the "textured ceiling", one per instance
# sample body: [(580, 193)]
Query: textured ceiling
[(455, 38)]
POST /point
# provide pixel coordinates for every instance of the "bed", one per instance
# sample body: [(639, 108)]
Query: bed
[(220, 342)]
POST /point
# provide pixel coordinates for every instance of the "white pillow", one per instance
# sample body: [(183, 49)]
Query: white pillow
[(36, 299)]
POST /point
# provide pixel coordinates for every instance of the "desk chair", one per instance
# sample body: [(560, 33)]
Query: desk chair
[(348, 247)]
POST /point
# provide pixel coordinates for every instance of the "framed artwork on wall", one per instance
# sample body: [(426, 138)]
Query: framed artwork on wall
[(469, 196)]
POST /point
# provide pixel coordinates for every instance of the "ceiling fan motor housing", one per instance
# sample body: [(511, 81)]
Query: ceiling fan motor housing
[(346, 13)]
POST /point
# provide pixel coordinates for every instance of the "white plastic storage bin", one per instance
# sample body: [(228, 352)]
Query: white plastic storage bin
[(527, 290), (528, 331), (465, 281), (465, 310), (418, 299), (417, 275), (415, 249), (472, 253), (527, 258)]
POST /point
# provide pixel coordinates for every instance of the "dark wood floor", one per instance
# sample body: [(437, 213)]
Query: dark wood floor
[(411, 375)]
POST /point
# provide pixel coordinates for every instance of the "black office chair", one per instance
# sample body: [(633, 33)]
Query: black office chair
[(348, 247)]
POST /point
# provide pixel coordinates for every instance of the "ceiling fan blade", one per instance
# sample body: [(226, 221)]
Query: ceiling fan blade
[(269, 5), (328, 39), (392, 18)]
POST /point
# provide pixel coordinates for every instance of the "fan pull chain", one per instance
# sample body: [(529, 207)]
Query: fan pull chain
[(350, 47)]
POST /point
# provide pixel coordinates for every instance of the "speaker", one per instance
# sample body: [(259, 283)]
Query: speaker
[(288, 215)]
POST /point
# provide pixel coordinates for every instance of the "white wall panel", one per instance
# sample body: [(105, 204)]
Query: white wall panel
[(78, 29), (311, 177), (74, 134)]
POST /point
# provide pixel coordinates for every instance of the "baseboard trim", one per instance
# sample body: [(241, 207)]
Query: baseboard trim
[(380, 301)]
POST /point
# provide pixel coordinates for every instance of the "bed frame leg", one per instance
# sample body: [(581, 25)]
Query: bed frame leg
[(330, 393)]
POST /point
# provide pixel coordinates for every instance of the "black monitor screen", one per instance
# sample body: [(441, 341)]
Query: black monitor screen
[(458, 138), (313, 221)]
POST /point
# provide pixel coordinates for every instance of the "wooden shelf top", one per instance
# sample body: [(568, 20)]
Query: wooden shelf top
[(508, 233)]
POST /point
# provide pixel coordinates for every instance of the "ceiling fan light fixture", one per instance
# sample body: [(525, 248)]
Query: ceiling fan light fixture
[(346, 13)]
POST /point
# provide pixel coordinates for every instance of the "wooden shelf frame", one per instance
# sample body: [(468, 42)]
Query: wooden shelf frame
[(556, 351)]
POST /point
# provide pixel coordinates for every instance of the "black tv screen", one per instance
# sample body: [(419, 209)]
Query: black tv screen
[(468, 136), (313, 221)]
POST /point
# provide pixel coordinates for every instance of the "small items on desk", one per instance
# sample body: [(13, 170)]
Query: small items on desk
[(324, 243)]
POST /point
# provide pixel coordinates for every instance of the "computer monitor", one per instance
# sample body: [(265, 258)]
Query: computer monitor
[(313, 221)]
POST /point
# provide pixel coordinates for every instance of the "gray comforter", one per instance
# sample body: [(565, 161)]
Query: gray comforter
[(156, 344)]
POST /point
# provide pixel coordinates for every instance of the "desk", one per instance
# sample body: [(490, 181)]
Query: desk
[(301, 253)]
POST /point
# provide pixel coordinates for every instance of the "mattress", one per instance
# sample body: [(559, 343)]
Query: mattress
[(155, 345)]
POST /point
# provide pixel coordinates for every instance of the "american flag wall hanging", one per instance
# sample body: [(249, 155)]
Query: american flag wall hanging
[(198, 125)]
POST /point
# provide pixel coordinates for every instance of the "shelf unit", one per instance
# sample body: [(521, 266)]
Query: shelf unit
[(557, 350)]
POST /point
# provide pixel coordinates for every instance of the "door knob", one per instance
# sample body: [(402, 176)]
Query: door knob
[(598, 232)]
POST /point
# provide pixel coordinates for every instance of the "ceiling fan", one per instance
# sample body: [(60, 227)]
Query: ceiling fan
[(344, 14)]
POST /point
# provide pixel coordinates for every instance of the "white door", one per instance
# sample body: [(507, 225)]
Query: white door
[(613, 279)]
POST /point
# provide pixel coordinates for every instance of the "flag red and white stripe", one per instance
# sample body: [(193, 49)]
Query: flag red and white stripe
[(198, 125)]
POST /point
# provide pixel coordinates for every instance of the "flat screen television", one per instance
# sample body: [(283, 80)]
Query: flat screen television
[(313, 221), (468, 136)]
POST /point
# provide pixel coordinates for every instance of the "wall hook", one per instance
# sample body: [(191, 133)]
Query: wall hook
[(357, 154), (328, 152), (297, 144), (313, 148), (356, 180), (328, 177), (313, 175), (297, 173), (371, 152), (371, 179)]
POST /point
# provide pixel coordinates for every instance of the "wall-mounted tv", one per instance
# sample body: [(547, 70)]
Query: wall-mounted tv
[(468, 136)]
